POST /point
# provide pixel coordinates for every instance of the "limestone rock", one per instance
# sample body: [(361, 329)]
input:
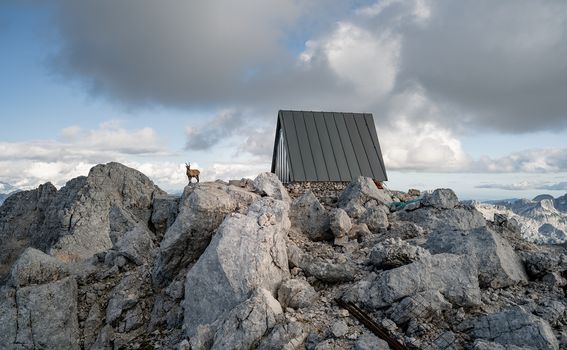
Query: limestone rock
[(454, 276), (325, 271), (368, 341), (432, 219), (339, 328), (164, 213), (125, 296), (40, 316), (36, 267), (284, 336), (268, 184), (376, 218), (541, 262), (296, 293), (393, 253), (498, 264), (340, 223), (203, 208), (310, 217), (248, 322), (420, 306), (358, 193), (441, 198), (480, 344), (405, 230), (241, 257), (137, 246), (514, 327)]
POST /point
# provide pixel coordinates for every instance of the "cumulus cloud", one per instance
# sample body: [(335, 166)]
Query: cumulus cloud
[(223, 126), (526, 161)]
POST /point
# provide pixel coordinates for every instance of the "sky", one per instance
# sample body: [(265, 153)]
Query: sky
[(470, 95)]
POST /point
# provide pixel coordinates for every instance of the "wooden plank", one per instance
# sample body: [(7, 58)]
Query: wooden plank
[(326, 146)]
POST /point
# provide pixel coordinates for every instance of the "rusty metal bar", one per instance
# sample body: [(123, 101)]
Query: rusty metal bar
[(375, 328)]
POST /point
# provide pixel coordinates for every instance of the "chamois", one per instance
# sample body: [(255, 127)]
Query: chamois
[(192, 173)]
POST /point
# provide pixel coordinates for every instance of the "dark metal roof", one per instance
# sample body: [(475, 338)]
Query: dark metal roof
[(330, 146)]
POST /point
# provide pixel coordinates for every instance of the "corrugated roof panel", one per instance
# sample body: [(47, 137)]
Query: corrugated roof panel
[(316, 150), (373, 133), (326, 146), (304, 146), (366, 140), (346, 143), (296, 163)]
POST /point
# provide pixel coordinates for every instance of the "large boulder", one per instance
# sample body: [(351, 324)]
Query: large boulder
[(268, 184), (247, 252), (339, 222), (376, 218), (323, 270), (284, 336), (164, 213), (203, 208), (358, 193), (454, 276), (36, 267), (498, 264), (40, 316), (248, 322), (136, 245), (513, 327), (433, 219), (544, 260), (441, 198), (310, 217), (296, 293), (393, 253)]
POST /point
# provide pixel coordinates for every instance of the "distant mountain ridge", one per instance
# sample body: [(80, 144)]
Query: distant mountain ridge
[(6, 190), (542, 219)]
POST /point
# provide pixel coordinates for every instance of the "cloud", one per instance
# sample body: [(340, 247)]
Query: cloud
[(223, 126), (526, 161), (527, 185)]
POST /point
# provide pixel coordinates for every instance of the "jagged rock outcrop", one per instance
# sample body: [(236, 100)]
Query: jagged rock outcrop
[(454, 276), (441, 198), (247, 252), (268, 184), (513, 327), (326, 271), (433, 219), (393, 253), (36, 267), (310, 217), (164, 213), (498, 264), (202, 209), (358, 193)]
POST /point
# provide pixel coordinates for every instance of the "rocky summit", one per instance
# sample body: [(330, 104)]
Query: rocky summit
[(110, 261)]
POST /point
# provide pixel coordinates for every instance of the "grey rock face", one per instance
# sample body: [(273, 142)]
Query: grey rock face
[(248, 322), (164, 213), (36, 267), (296, 293), (325, 271), (310, 217), (40, 316), (21, 218), (405, 230), (539, 263), (369, 341), (454, 276), (242, 256), (514, 327), (268, 184), (498, 264), (203, 208), (420, 306), (393, 253), (123, 310), (340, 223), (79, 215), (432, 219), (376, 218), (358, 193), (137, 246), (441, 198), (480, 344), (285, 336)]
